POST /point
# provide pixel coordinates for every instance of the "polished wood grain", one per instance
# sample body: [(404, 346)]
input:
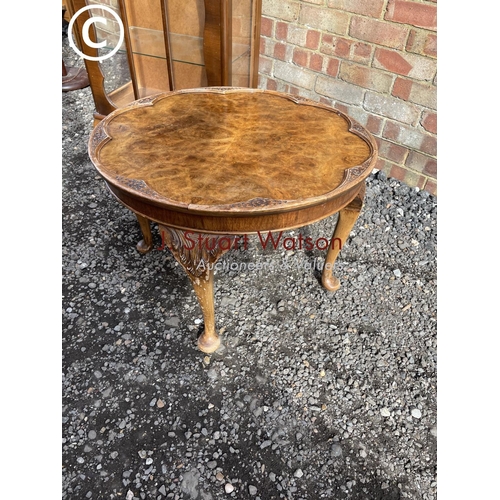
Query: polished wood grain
[(230, 161), (250, 146)]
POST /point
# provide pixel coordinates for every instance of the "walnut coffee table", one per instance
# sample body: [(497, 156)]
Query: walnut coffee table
[(212, 164)]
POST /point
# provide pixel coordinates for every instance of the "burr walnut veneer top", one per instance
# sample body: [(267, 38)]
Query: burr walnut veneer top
[(231, 149)]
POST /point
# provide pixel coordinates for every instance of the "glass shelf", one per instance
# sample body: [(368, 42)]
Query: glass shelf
[(187, 49), (184, 48)]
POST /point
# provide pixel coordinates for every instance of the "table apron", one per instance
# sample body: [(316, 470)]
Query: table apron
[(236, 223)]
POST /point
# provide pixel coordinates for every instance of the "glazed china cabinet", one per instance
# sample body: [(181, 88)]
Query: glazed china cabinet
[(167, 45)]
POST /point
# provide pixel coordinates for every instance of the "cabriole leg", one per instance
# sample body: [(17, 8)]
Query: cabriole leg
[(197, 254), (347, 218), (145, 245)]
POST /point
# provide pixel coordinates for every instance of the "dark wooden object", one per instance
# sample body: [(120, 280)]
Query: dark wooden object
[(226, 162)]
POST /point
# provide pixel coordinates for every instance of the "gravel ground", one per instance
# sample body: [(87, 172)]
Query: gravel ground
[(313, 395)]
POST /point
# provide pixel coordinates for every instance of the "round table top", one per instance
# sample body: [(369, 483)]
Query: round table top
[(231, 150)]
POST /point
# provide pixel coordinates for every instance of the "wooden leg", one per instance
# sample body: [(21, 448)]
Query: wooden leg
[(197, 254), (208, 341), (347, 218), (146, 244)]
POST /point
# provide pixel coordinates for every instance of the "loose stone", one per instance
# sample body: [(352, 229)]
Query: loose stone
[(336, 450)]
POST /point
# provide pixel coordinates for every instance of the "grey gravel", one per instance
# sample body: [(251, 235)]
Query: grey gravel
[(336, 450), (416, 413), (304, 374), (298, 473)]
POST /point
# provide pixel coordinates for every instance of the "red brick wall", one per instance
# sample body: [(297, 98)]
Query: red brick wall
[(373, 59)]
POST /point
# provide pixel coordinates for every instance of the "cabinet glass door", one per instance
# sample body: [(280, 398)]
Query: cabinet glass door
[(186, 21), (145, 26), (212, 42), (245, 42)]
